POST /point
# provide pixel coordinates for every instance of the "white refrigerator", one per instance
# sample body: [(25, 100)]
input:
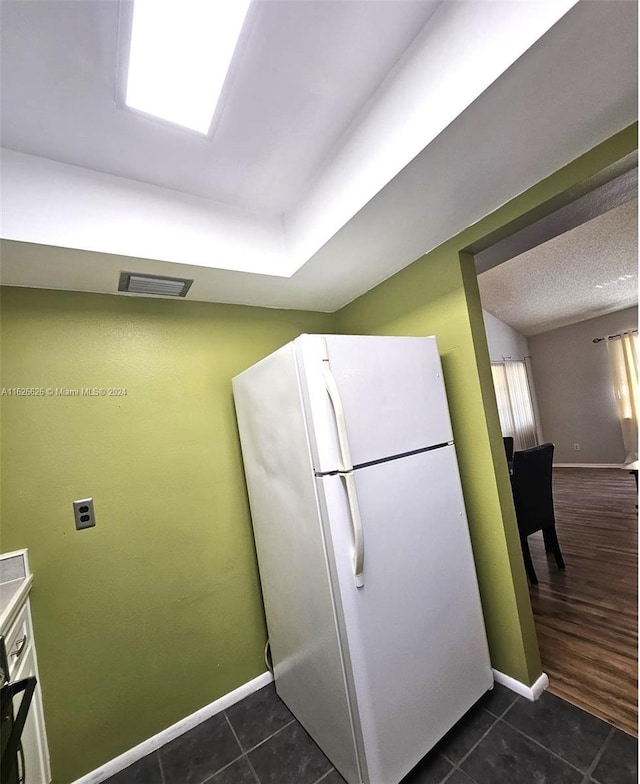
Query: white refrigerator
[(367, 573)]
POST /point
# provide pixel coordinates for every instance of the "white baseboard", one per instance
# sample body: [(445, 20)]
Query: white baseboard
[(189, 722), (175, 730), (532, 692), (588, 465)]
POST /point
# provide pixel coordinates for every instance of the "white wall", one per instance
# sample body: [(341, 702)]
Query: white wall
[(504, 342), (575, 391)]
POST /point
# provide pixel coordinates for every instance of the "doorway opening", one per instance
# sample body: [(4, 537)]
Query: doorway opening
[(586, 616)]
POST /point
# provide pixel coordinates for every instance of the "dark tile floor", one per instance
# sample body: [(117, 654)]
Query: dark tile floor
[(504, 739)]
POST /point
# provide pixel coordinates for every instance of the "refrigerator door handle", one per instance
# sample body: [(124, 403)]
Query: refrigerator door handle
[(347, 467), (338, 410), (356, 525)]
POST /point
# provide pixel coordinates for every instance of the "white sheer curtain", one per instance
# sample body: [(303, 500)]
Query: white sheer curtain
[(515, 407), (623, 358)]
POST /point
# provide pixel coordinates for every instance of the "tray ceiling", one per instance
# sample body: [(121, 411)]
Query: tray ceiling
[(301, 74), (352, 138)]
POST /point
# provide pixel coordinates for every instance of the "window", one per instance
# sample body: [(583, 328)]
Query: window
[(515, 407), (623, 358)]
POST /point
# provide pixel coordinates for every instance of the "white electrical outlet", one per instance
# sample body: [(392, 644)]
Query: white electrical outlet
[(576, 447), (83, 513)]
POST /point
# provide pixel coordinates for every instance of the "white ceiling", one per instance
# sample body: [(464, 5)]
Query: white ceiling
[(353, 137), (586, 272)]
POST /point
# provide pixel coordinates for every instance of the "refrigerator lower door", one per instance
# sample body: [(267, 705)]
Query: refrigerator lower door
[(414, 633)]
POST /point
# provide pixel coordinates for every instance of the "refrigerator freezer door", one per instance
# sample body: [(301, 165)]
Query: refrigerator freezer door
[(414, 632), (391, 390)]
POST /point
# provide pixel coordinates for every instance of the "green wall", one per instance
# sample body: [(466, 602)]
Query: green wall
[(156, 611)]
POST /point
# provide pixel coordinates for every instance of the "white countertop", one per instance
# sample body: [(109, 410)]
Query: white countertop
[(15, 583)]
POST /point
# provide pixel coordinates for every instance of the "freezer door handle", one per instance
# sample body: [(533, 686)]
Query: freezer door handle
[(338, 410), (347, 466)]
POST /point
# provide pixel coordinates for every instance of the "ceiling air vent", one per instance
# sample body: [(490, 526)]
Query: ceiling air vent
[(136, 283)]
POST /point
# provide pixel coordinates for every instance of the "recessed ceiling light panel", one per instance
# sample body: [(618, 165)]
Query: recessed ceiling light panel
[(179, 57)]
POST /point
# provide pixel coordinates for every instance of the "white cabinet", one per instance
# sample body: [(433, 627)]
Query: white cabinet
[(16, 627), (21, 654)]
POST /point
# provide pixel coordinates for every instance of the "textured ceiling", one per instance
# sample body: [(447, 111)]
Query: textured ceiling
[(586, 272)]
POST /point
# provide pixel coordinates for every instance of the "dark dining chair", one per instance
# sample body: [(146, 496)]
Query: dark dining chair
[(533, 501), (508, 448)]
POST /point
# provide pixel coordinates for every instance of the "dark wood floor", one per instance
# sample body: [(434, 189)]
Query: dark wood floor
[(587, 616)]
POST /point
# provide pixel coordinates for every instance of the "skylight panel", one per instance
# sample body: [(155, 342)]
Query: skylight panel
[(179, 57)]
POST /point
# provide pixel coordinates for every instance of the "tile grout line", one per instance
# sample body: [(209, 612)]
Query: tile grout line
[(456, 765), (454, 770), (273, 734), (233, 761), (505, 711), (162, 778), (599, 755), (222, 769), (252, 769), (264, 740), (324, 775), (234, 733), (245, 755), (546, 748)]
